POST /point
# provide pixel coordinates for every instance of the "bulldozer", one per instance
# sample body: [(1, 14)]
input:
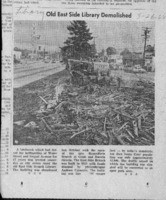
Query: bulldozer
[(84, 72)]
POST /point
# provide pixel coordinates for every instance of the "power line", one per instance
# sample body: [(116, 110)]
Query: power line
[(146, 36)]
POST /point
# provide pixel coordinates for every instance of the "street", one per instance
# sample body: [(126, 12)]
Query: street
[(129, 77), (26, 73)]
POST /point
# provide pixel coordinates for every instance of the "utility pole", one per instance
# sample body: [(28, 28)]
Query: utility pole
[(145, 36), (44, 46), (34, 38), (94, 40), (95, 44)]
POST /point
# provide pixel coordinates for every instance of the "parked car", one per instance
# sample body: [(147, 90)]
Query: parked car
[(128, 69), (138, 69), (53, 61)]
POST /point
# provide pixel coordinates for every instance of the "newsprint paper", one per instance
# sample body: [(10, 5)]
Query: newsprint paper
[(83, 99)]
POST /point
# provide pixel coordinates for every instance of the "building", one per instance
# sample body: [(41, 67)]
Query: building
[(17, 55), (116, 61), (153, 64), (40, 48), (33, 56), (149, 61), (137, 58)]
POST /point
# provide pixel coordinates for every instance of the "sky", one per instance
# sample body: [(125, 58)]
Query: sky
[(119, 35)]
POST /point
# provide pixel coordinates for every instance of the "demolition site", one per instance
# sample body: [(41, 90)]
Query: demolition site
[(97, 98)]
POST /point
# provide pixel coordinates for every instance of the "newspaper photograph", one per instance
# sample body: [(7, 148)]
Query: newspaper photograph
[(77, 85), (83, 99)]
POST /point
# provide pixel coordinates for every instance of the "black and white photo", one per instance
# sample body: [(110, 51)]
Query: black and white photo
[(84, 83)]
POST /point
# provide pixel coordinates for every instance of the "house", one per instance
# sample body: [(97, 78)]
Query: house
[(40, 48), (149, 61), (127, 59), (137, 58), (150, 64), (153, 64), (149, 55), (17, 55), (115, 60), (33, 56)]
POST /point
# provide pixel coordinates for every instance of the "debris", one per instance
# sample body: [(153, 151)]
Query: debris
[(32, 125), (105, 124), (16, 142), (100, 112), (51, 104), (123, 126), (139, 122), (43, 100), (135, 125), (47, 126), (73, 94), (19, 123), (75, 134), (103, 133), (58, 90)]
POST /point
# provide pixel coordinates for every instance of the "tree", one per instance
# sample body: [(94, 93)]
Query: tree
[(16, 49), (127, 56), (101, 54), (111, 51), (125, 52), (77, 45), (93, 50)]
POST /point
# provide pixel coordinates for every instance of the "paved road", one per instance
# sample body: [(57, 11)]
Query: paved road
[(27, 73), (149, 76)]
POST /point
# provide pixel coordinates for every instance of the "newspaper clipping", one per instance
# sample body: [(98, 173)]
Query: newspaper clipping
[(83, 99)]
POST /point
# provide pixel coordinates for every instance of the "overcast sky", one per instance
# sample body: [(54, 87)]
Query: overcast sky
[(119, 35)]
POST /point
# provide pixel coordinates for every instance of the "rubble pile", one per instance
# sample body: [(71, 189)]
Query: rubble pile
[(94, 114)]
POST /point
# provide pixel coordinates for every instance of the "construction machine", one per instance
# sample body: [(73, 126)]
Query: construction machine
[(83, 72)]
